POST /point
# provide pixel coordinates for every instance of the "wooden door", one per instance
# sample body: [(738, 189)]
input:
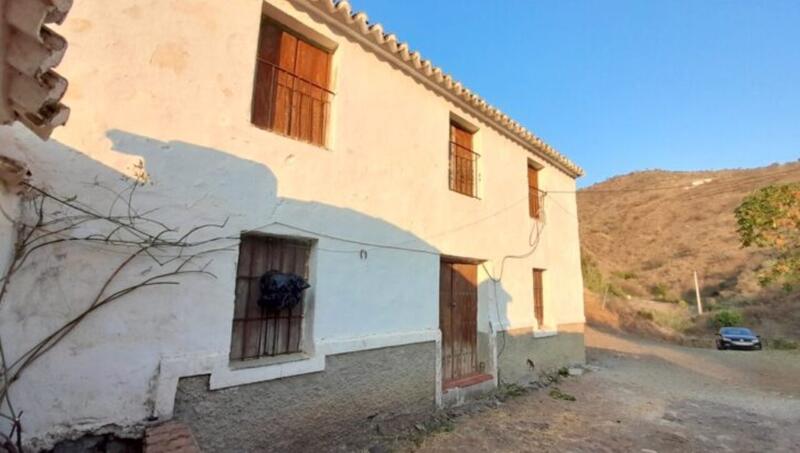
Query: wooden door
[(458, 320)]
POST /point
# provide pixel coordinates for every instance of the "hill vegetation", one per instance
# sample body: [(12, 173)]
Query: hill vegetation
[(644, 235)]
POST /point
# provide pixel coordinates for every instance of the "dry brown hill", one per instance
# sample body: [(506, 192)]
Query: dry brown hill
[(643, 234)]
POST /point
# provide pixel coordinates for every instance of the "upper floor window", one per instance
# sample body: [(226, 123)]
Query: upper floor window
[(534, 194), (463, 161), (291, 94)]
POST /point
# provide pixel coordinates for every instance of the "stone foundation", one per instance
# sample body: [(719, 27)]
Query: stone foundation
[(339, 408), (547, 354)]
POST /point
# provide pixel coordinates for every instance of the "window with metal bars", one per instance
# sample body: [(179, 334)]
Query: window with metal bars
[(463, 161), (291, 93), (534, 194), (538, 296), (258, 332)]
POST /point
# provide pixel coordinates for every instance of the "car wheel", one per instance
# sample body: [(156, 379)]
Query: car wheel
[(721, 347), (758, 347)]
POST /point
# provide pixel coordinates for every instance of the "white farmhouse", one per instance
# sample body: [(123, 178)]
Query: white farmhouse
[(438, 236)]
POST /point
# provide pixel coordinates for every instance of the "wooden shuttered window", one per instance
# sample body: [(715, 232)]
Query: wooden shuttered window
[(463, 161), (258, 332), (538, 296), (291, 94), (534, 204)]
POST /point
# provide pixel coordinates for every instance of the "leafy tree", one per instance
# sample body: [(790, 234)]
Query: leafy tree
[(770, 218)]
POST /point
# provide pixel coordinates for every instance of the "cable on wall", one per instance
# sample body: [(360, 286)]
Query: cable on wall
[(534, 238)]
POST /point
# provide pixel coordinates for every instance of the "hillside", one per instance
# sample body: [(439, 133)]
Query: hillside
[(643, 235)]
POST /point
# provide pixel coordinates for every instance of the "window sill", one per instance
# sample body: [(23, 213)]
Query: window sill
[(324, 147), (269, 361), (467, 195)]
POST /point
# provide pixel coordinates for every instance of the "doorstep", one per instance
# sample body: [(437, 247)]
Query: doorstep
[(467, 381), (459, 391)]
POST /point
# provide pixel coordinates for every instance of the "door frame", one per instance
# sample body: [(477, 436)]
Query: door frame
[(450, 260)]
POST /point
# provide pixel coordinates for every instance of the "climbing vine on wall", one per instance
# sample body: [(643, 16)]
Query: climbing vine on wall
[(137, 238)]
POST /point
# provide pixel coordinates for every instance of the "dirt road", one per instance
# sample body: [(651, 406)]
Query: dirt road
[(647, 397)]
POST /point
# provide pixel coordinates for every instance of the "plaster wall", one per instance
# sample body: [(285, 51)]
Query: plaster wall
[(518, 350), (359, 394), (9, 210), (163, 87)]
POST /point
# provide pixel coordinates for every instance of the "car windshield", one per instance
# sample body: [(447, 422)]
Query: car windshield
[(736, 331)]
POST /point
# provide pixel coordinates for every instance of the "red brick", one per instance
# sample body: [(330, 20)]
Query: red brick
[(170, 437)]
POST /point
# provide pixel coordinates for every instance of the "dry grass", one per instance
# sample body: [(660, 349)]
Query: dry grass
[(646, 243)]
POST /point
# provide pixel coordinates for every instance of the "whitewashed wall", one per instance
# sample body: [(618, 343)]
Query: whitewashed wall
[(9, 211), (169, 83)]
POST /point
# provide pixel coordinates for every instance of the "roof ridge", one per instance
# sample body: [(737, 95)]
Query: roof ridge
[(359, 21)]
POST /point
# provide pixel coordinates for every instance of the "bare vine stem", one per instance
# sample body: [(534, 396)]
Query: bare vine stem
[(134, 234)]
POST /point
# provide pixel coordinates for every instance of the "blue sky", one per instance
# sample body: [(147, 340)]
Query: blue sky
[(624, 85)]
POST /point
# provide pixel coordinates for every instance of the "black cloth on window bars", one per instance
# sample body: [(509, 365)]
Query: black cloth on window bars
[(281, 290)]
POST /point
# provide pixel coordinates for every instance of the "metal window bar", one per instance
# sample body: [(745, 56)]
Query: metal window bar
[(463, 170), (305, 108), (256, 331)]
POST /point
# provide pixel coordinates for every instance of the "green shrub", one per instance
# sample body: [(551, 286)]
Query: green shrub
[(783, 343), (557, 393), (672, 320), (592, 277), (625, 275), (511, 390), (672, 299), (616, 291), (644, 314), (726, 318), (659, 291)]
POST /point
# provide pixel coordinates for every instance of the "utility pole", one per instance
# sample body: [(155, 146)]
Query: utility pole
[(697, 294)]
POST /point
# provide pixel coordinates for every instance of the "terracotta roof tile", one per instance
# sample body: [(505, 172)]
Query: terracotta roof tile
[(32, 91)]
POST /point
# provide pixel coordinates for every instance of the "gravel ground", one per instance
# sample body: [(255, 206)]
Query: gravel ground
[(647, 397)]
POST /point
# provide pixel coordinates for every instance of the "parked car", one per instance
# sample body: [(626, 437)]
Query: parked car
[(737, 338)]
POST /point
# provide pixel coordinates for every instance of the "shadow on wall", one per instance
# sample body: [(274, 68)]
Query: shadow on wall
[(392, 290), (521, 356), (206, 180)]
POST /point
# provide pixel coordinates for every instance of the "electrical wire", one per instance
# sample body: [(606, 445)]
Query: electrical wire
[(533, 242), (370, 246)]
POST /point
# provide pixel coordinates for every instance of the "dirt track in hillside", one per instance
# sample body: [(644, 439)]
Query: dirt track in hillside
[(648, 396)]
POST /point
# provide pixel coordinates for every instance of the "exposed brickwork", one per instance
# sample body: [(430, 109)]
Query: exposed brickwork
[(170, 437), (359, 395)]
